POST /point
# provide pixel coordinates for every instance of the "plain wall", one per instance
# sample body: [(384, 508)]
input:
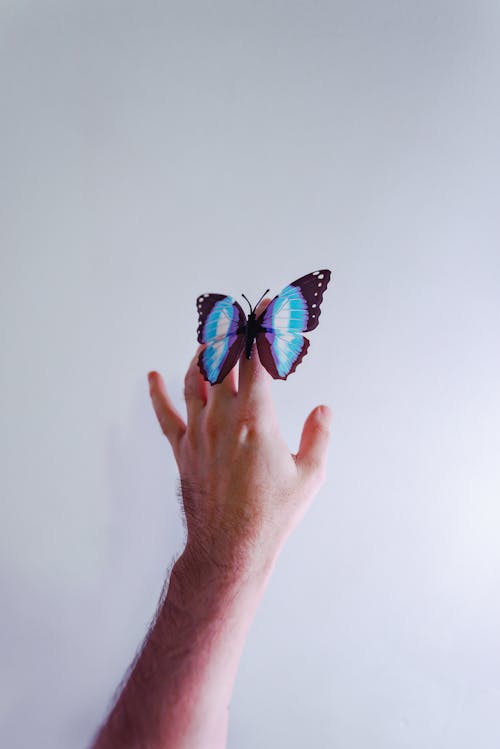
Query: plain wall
[(152, 151)]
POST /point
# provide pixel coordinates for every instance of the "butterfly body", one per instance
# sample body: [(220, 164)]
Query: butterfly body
[(227, 331), (251, 330)]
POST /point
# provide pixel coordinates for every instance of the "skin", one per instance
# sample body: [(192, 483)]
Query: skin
[(243, 493)]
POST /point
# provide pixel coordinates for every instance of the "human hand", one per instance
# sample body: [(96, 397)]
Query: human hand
[(243, 492)]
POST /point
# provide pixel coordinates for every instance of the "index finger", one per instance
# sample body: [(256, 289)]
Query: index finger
[(195, 388)]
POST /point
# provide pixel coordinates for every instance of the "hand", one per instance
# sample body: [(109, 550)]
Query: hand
[(243, 492)]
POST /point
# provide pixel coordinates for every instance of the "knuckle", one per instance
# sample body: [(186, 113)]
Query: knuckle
[(247, 427)]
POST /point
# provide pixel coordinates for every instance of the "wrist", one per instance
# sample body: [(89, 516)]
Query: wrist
[(198, 570)]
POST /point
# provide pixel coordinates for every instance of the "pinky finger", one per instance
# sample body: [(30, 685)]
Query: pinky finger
[(172, 425)]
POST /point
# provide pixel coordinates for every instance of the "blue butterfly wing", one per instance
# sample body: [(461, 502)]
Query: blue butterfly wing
[(221, 325), (295, 310)]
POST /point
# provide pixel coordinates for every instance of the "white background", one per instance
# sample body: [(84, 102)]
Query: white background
[(152, 151)]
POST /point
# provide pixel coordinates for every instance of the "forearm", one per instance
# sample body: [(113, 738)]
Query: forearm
[(178, 693)]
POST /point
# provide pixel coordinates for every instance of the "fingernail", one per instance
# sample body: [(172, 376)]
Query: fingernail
[(325, 415)]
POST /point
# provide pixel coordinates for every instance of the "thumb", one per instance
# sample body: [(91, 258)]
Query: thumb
[(314, 441)]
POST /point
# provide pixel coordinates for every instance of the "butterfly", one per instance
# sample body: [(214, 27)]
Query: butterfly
[(224, 327)]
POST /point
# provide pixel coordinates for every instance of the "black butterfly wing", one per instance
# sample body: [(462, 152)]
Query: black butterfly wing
[(294, 310), (221, 325)]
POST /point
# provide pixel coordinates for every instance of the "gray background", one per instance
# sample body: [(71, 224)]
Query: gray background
[(152, 151)]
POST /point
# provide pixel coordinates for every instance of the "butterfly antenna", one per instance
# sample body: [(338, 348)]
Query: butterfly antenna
[(244, 297), (262, 297)]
